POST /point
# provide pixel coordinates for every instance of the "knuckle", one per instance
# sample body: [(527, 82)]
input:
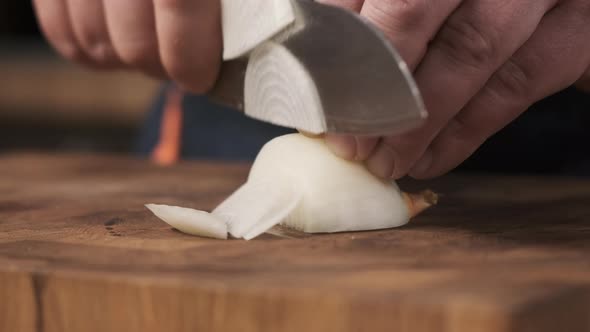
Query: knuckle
[(399, 15), (465, 43), (88, 37), (97, 46), (460, 129), (513, 81), (411, 12), (469, 131)]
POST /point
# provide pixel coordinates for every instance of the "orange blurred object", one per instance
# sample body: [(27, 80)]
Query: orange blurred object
[(167, 151)]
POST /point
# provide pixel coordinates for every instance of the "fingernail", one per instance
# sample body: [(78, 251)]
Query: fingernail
[(382, 162), (342, 146), (308, 134), (423, 165)]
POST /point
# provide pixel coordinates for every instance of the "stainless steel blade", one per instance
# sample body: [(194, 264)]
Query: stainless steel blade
[(364, 86)]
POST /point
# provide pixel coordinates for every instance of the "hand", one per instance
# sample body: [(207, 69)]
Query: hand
[(172, 39), (478, 64)]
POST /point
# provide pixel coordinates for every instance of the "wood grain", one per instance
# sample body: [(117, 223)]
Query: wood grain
[(79, 252)]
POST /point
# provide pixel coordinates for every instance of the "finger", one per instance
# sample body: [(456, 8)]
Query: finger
[(380, 162), (470, 47), (409, 25), (134, 36), (189, 37), (54, 20), (90, 29), (354, 5), (351, 147), (551, 60)]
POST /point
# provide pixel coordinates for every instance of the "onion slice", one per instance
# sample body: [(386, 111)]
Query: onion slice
[(256, 207), (190, 221)]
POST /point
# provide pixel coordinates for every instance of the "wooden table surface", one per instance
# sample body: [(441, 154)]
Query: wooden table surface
[(79, 252)]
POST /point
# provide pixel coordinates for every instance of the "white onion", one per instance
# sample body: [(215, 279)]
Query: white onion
[(298, 182), (191, 221), (337, 195)]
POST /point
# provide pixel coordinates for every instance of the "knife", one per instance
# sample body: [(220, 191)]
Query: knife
[(314, 67)]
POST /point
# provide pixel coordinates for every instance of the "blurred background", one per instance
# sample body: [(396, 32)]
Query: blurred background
[(52, 105), (49, 104)]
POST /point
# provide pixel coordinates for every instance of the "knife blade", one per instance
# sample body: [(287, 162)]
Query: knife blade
[(362, 85)]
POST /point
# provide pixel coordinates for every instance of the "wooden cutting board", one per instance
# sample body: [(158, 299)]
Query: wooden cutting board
[(79, 252)]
